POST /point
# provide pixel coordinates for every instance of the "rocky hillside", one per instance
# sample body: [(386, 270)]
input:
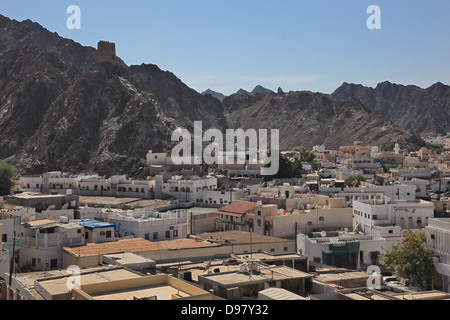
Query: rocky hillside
[(60, 110), (177, 99), (307, 119), (15, 34), (422, 111), (219, 96), (76, 120)]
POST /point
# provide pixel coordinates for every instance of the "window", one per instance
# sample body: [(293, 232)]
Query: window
[(86, 235), (4, 237), (155, 235), (391, 231), (259, 212), (167, 234), (78, 230), (108, 234), (175, 233), (54, 263), (374, 217), (33, 262), (147, 236)]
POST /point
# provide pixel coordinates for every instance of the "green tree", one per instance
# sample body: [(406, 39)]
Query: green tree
[(411, 260), (6, 178), (388, 147), (355, 178), (135, 169), (307, 155), (287, 169)]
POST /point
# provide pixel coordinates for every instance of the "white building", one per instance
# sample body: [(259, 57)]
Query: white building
[(406, 214), (368, 191), (151, 224), (92, 185), (421, 173), (223, 196), (346, 250), (438, 240), (185, 189), (42, 241), (11, 220)]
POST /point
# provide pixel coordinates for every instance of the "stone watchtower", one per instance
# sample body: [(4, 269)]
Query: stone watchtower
[(106, 52)]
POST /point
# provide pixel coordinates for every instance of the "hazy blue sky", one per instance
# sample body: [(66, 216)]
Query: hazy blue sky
[(298, 45)]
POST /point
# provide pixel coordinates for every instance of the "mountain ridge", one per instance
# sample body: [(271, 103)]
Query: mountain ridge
[(61, 110)]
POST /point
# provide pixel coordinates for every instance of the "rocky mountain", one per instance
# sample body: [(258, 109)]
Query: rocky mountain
[(77, 120), (422, 111), (261, 90), (15, 34), (219, 96), (61, 110), (307, 119), (242, 91), (177, 99)]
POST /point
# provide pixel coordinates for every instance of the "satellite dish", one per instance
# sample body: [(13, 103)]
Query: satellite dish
[(323, 234)]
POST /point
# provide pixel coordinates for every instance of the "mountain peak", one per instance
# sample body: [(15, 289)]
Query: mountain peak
[(242, 91), (260, 89), (215, 94)]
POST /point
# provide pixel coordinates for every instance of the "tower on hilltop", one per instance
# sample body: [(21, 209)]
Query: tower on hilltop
[(106, 52)]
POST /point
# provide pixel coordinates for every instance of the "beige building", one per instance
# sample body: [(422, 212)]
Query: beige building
[(252, 278)]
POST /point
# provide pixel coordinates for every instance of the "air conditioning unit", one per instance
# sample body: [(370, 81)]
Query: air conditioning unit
[(102, 233), (171, 228)]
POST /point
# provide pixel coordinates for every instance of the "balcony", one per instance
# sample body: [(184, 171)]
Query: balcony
[(50, 241)]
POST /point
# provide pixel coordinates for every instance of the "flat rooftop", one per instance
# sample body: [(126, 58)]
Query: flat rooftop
[(261, 275), (135, 245), (54, 282), (261, 256), (424, 295), (342, 276), (200, 210), (128, 202), (161, 292), (238, 237), (34, 195), (127, 257), (92, 201)]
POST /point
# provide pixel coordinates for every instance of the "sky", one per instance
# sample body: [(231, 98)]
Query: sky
[(226, 45)]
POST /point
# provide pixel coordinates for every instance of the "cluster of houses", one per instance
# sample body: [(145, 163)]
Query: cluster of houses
[(227, 233)]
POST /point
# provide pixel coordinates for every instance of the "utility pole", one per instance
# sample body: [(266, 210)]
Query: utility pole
[(11, 264), (295, 236)]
